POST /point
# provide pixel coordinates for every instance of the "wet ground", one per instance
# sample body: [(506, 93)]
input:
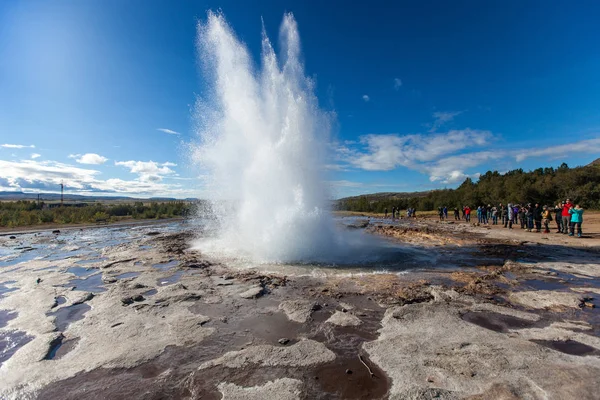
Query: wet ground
[(132, 312)]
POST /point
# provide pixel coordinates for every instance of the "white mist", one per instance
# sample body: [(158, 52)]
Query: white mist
[(263, 144)]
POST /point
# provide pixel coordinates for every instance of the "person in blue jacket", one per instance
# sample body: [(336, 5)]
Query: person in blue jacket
[(576, 220)]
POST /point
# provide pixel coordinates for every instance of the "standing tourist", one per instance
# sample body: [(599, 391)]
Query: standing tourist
[(566, 216), (522, 217), (576, 220), (494, 215), (558, 217), (456, 214), (509, 216), (537, 217), (529, 216), (468, 213), (546, 219)]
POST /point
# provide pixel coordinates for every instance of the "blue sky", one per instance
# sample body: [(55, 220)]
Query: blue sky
[(100, 95)]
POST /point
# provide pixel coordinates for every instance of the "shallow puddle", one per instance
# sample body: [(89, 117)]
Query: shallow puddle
[(60, 347), (166, 266), (5, 316), (7, 289), (65, 316), (81, 271), (10, 342), (171, 279), (90, 261), (497, 322), (128, 275), (93, 284), (571, 347)]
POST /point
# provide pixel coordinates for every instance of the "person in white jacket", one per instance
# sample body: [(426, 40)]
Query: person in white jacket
[(511, 215)]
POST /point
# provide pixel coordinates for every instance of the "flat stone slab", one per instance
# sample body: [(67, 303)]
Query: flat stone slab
[(298, 310), (540, 299), (281, 389), (302, 354), (344, 319), (252, 293)]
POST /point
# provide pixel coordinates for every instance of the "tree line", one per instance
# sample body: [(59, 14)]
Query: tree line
[(25, 213), (543, 185)]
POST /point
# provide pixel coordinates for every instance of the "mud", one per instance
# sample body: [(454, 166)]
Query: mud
[(486, 316)]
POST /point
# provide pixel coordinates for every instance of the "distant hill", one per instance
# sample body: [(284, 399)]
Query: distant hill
[(387, 196), (595, 162), (76, 197)]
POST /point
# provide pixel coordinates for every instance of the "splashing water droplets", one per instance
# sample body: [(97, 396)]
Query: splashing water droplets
[(262, 141)]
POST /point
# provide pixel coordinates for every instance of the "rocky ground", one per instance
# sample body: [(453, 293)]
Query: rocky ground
[(137, 314)]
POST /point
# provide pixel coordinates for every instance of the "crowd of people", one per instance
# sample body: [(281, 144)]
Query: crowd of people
[(567, 216)]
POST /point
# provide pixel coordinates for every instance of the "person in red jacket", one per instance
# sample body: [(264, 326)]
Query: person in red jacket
[(566, 217), (468, 213)]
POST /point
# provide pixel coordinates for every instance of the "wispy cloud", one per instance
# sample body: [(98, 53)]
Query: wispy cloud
[(397, 83), (366, 98), (89, 158), (169, 131), (442, 117), (561, 151), (148, 171), (17, 146), (35, 155)]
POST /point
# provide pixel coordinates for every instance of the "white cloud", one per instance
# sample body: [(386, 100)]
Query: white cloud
[(168, 164), (16, 146), (35, 155), (387, 152), (169, 131), (30, 175), (442, 117), (451, 169), (397, 83), (89, 158), (366, 98), (559, 151), (148, 171)]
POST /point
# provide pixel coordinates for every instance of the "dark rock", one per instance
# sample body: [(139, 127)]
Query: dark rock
[(284, 341), (349, 371), (56, 231), (12, 237), (117, 324), (138, 297), (153, 233), (138, 286), (38, 280), (126, 300)]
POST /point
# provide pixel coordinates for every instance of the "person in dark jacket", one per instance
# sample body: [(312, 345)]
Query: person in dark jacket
[(522, 217), (456, 214), (537, 217), (529, 216), (558, 218)]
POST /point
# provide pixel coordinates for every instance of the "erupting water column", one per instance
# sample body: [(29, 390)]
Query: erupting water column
[(263, 144)]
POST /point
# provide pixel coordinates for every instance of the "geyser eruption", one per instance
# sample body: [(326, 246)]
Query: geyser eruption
[(263, 144)]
